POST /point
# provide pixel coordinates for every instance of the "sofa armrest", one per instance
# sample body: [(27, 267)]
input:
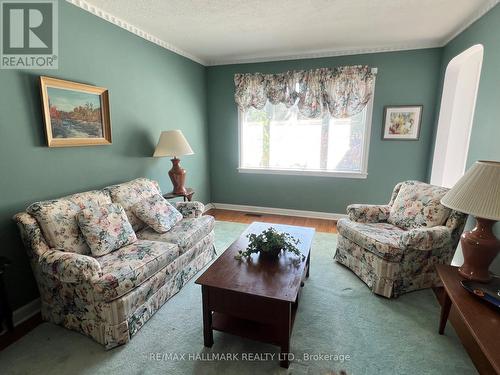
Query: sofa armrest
[(368, 213), (426, 238), (190, 209), (69, 267), (31, 234)]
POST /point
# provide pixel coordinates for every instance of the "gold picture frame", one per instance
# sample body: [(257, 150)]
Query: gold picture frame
[(75, 114)]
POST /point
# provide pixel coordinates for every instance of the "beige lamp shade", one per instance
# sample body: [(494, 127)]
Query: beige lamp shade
[(172, 143), (478, 191)]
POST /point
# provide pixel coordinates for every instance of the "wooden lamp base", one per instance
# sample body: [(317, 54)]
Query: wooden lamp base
[(479, 247), (177, 176)]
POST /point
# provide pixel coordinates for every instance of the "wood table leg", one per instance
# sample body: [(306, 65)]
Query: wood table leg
[(445, 311), (308, 263), (208, 335), (286, 331)]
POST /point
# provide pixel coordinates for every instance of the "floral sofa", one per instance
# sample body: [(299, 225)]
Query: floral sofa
[(394, 248), (110, 297)]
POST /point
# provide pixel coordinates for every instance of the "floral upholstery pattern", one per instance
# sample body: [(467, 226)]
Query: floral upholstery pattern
[(157, 213), (391, 259), (119, 309), (128, 267), (58, 220), (109, 298), (132, 192), (105, 228), (190, 209), (91, 198), (392, 279), (418, 205), (425, 238), (185, 233), (342, 91), (368, 213), (69, 267), (381, 239)]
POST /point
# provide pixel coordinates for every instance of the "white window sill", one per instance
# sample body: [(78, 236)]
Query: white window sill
[(302, 172)]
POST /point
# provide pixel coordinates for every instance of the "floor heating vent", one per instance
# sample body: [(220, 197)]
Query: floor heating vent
[(253, 215)]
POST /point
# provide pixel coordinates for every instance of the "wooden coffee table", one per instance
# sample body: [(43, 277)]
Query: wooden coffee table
[(255, 298)]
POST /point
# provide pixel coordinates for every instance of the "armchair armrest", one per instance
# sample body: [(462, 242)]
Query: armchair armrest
[(426, 238), (190, 209), (69, 267), (368, 213)]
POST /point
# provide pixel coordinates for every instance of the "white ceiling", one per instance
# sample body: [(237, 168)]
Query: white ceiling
[(215, 32)]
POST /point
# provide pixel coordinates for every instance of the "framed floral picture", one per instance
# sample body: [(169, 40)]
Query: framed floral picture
[(402, 122), (75, 114)]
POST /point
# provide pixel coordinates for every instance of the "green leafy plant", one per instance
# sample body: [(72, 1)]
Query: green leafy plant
[(270, 243)]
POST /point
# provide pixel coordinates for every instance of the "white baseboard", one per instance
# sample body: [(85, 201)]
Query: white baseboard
[(277, 211), (25, 312)]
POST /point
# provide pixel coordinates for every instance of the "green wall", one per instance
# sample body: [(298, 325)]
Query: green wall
[(485, 136), (150, 88), (409, 77)]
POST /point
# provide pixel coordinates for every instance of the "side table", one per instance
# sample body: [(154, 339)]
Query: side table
[(476, 323), (188, 196)]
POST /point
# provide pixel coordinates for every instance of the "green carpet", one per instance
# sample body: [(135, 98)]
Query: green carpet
[(337, 316)]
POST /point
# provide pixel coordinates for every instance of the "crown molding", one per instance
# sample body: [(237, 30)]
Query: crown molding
[(134, 29), (470, 20), (331, 53), (258, 59)]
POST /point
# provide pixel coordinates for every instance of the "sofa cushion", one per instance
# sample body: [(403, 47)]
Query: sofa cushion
[(90, 198), (132, 192), (418, 205), (186, 233), (381, 239), (105, 228), (126, 268), (156, 212), (57, 219)]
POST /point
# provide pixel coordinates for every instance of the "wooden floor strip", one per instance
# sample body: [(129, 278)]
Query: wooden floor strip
[(321, 225)]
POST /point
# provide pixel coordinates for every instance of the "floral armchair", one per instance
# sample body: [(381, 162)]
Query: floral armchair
[(394, 248)]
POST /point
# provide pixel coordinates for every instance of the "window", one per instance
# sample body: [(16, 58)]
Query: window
[(279, 140)]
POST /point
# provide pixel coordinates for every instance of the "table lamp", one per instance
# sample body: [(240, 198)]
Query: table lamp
[(173, 143), (477, 193)]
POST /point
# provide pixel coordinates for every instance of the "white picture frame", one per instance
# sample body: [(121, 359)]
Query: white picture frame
[(402, 122)]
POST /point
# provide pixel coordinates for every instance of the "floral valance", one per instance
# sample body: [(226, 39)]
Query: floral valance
[(342, 91)]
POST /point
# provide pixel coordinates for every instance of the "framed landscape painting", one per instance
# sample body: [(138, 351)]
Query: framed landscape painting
[(402, 122), (75, 114)]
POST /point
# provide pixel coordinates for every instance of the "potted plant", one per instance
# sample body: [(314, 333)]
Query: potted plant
[(270, 243)]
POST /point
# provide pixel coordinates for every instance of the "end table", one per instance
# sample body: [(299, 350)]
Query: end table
[(185, 196), (476, 323)]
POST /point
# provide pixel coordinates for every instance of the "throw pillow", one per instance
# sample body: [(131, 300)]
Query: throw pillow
[(106, 228), (130, 193), (58, 220), (157, 213), (418, 205)]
